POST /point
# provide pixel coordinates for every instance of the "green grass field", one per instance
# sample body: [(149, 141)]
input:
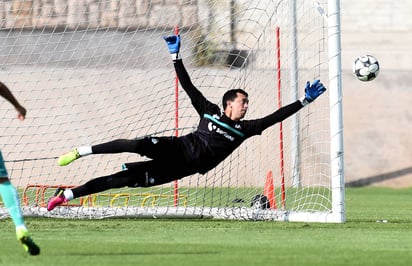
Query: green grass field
[(360, 241)]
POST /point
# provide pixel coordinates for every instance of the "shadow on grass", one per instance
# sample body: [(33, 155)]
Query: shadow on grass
[(366, 181)]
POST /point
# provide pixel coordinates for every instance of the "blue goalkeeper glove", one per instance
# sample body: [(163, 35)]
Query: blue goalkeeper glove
[(312, 91), (173, 43)]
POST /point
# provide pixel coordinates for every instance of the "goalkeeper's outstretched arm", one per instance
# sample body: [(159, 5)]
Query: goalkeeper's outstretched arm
[(311, 93), (199, 102)]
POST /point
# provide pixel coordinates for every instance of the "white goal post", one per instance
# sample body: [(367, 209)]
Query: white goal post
[(94, 71)]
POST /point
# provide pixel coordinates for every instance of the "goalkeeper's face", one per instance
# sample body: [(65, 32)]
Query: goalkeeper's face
[(237, 108)]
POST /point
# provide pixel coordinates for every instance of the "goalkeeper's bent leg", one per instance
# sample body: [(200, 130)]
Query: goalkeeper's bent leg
[(125, 178), (117, 180)]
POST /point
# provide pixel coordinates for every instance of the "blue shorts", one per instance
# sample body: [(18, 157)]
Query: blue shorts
[(3, 170)]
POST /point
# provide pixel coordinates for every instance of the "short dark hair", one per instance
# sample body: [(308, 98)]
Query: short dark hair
[(231, 95)]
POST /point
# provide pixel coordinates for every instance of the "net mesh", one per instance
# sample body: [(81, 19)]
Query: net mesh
[(93, 71)]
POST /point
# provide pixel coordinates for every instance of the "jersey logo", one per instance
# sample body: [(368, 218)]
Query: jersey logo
[(233, 130), (211, 127)]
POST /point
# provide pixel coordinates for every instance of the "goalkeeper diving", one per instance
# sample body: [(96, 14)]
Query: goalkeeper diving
[(218, 134)]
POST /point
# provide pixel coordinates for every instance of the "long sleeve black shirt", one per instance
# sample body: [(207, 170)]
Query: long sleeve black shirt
[(217, 136)]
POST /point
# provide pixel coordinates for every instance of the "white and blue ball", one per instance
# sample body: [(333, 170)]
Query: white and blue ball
[(366, 67)]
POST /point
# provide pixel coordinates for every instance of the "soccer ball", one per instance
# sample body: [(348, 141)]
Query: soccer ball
[(260, 202), (366, 67)]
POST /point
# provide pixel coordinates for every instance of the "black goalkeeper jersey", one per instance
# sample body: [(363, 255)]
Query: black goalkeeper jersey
[(217, 136)]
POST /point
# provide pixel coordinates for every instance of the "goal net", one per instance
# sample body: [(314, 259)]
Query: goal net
[(93, 71)]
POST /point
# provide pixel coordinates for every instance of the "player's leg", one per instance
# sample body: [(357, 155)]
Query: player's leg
[(115, 146), (127, 178), (141, 174), (95, 185), (12, 203), (152, 147)]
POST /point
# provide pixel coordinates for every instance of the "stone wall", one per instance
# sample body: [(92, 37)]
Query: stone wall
[(357, 16), (122, 14), (376, 16)]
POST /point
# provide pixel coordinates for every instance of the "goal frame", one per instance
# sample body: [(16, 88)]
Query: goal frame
[(86, 209)]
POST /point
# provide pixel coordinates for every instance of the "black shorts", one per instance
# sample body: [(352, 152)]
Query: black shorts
[(160, 148), (167, 162)]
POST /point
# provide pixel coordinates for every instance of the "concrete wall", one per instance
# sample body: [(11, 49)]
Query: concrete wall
[(123, 14), (357, 16), (377, 114)]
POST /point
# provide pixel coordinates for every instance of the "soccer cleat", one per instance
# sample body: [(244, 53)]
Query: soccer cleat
[(69, 157), (57, 199), (28, 243)]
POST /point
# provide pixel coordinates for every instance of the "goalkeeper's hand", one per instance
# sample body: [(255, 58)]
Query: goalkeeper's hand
[(313, 91), (173, 43)]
